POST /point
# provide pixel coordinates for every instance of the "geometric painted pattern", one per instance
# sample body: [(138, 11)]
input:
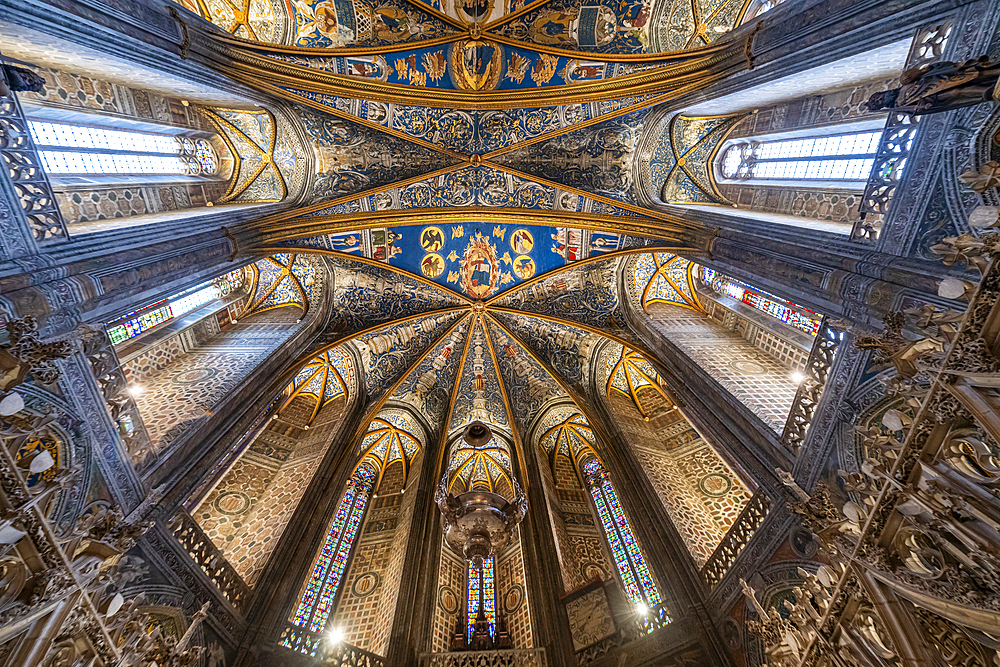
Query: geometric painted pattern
[(664, 278), (390, 438), (627, 372), (323, 378), (282, 280)]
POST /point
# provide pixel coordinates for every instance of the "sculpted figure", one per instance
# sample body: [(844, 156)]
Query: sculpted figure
[(940, 87)]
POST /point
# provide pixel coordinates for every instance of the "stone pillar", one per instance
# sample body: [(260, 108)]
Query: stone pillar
[(277, 588), (549, 624), (668, 557), (413, 621)]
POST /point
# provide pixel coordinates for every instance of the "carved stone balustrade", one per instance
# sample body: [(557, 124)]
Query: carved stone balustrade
[(810, 390), (124, 412), (736, 538), (518, 657), (913, 547), (326, 652), (210, 559)]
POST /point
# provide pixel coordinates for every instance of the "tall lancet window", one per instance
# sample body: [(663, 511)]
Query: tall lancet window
[(316, 604), (631, 564), (847, 157), (482, 595), (66, 148)]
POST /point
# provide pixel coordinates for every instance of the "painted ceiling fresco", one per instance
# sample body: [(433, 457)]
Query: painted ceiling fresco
[(284, 279), (477, 261), (325, 378), (266, 151)]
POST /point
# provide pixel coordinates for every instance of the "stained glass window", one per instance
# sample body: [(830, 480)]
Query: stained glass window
[(791, 314), (839, 157), (146, 318), (316, 603), (481, 592), (629, 559)]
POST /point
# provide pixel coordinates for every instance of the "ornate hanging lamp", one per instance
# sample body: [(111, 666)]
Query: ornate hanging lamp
[(478, 523)]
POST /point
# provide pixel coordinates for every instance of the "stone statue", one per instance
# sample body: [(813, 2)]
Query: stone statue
[(19, 79), (940, 87)]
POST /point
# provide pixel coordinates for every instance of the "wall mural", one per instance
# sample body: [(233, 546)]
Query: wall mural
[(585, 293), (529, 386), (388, 352), (365, 296), (478, 261), (567, 349), (338, 23)]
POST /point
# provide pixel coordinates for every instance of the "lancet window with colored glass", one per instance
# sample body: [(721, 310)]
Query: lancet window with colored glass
[(629, 559), (791, 314), (316, 604), (482, 595), (142, 320)]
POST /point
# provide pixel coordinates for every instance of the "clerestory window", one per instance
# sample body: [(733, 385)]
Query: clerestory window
[(66, 148), (839, 157)]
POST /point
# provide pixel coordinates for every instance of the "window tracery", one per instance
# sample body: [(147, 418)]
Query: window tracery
[(67, 148), (316, 603), (845, 157)]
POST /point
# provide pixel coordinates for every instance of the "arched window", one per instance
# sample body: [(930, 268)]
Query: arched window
[(791, 314), (66, 148), (142, 320), (847, 157), (482, 595), (629, 559), (316, 603)]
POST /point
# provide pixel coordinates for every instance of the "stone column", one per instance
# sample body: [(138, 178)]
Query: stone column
[(668, 557), (413, 621), (549, 624), (277, 588)]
